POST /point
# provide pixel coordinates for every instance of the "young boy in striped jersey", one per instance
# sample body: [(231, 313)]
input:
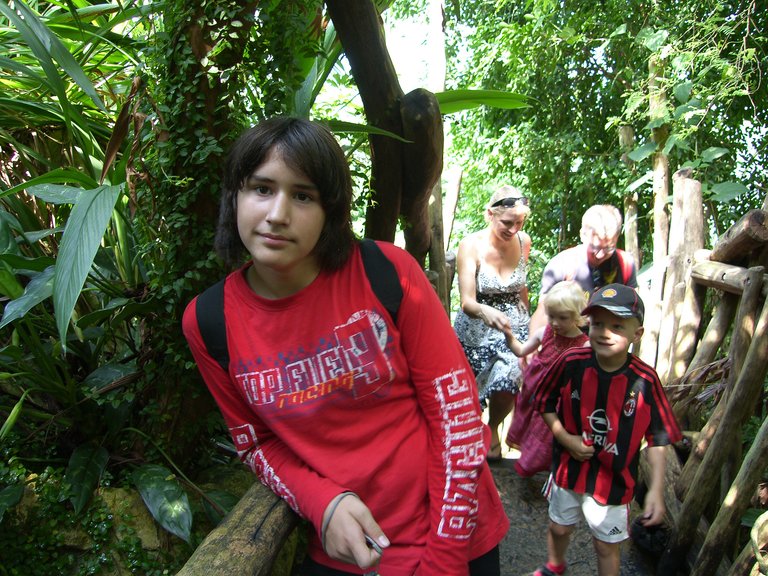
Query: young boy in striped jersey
[(601, 402)]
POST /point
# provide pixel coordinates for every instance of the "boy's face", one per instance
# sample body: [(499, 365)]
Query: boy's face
[(280, 218), (611, 335)]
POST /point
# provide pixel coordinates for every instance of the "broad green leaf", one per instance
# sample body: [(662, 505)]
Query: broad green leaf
[(713, 153), (165, 499), (619, 31), (24, 265), (55, 193), (54, 177), (107, 374), (727, 191), (456, 100), (642, 152), (79, 243), (48, 48), (8, 223), (9, 285), (674, 141), (751, 515), (652, 39), (9, 497), (85, 467), (40, 288), (683, 91)]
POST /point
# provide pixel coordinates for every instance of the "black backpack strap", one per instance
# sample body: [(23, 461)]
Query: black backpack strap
[(210, 321), (383, 276)]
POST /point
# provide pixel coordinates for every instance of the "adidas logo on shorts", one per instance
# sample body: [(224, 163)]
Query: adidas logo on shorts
[(615, 531)]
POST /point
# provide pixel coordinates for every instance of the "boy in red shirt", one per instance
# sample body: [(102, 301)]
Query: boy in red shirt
[(601, 402)]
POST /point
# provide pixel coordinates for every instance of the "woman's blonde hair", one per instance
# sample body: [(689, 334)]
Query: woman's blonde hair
[(507, 191), (568, 296)]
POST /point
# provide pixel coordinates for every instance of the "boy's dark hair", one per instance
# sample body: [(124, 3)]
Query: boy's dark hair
[(307, 147)]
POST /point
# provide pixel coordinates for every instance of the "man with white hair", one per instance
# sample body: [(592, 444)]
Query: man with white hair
[(593, 263)]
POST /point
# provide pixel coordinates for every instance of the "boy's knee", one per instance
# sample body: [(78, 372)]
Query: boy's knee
[(559, 530), (606, 549)]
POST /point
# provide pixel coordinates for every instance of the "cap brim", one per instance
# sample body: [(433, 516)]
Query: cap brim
[(620, 311)]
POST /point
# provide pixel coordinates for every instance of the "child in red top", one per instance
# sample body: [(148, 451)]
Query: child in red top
[(365, 427), (601, 403), (528, 432)]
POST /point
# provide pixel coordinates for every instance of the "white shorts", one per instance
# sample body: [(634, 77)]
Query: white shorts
[(607, 523)]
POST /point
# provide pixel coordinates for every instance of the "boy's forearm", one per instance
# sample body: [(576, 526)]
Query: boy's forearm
[(657, 459), (555, 426)]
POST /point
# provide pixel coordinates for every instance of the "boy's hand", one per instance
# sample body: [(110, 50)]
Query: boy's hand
[(345, 534), (577, 448), (654, 508)]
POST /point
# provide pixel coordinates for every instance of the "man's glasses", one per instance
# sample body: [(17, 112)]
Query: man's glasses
[(511, 202), (606, 249)]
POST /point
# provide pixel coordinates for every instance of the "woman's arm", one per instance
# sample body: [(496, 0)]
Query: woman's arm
[(526, 247), (466, 265)]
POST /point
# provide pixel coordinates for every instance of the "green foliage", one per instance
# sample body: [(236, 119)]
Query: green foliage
[(86, 465), (587, 73), (49, 539), (165, 499)]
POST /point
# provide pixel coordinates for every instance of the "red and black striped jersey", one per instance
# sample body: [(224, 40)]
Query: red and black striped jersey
[(616, 410)]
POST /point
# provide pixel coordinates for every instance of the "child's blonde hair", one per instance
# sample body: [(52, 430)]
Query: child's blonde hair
[(568, 296)]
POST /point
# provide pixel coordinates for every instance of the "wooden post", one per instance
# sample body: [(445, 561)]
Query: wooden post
[(657, 104), (248, 540), (681, 390), (631, 243), (685, 237), (691, 307), (436, 252), (740, 402), (741, 239), (723, 529), (718, 326), (740, 341)]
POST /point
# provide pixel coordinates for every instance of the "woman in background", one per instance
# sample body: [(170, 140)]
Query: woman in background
[(491, 268)]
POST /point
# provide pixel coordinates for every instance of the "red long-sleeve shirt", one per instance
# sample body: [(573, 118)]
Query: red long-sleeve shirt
[(324, 394)]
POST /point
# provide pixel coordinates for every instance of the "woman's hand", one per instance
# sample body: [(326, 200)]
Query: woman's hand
[(494, 318), (347, 521)]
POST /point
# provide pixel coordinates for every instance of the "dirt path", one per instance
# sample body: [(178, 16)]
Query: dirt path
[(525, 546)]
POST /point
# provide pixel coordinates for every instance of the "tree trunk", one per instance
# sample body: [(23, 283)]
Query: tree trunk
[(686, 237), (359, 29), (402, 174), (657, 108), (631, 242)]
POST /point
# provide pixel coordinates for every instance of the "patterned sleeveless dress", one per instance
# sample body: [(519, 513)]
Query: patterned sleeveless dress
[(494, 365)]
